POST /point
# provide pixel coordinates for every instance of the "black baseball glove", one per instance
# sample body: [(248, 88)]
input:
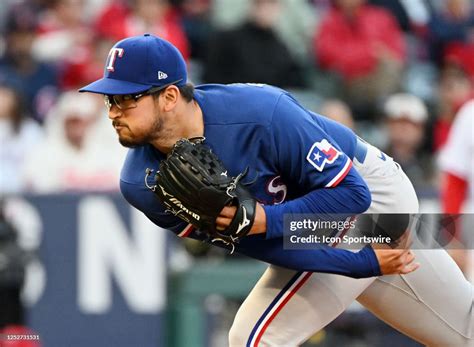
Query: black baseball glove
[(194, 185)]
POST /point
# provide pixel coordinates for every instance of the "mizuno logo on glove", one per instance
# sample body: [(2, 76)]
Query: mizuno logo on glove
[(245, 221), (180, 205)]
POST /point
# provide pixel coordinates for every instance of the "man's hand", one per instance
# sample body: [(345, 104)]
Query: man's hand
[(396, 261), (227, 214)]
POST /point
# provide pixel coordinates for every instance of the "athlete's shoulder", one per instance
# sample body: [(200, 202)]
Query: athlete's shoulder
[(238, 102), (241, 89)]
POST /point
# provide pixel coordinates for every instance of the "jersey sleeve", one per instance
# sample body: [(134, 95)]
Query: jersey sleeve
[(315, 165), (325, 259), (305, 153)]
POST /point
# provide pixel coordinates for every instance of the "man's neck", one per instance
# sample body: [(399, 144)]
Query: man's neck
[(189, 123), (193, 120)]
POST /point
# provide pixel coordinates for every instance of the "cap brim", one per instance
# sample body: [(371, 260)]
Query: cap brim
[(114, 87)]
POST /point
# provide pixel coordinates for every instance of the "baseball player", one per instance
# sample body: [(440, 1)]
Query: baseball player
[(456, 160), (299, 162)]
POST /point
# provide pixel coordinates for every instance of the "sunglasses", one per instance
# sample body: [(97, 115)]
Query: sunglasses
[(128, 101)]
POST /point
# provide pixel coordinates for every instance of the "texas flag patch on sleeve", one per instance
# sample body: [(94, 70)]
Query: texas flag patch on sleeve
[(322, 153)]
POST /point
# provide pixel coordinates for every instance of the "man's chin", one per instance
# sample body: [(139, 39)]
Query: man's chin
[(130, 143)]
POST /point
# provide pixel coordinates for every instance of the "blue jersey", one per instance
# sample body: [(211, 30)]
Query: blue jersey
[(299, 162)]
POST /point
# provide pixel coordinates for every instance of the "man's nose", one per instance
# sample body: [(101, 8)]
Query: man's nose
[(114, 112)]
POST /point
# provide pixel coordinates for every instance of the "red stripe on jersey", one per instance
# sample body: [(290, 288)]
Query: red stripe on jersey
[(186, 231), (340, 176)]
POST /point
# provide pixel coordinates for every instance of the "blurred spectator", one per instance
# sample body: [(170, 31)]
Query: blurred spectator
[(4, 8), (397, 9), (294, 27), (36, 81), (411, 15), (62, 32), (252, 52), (454, 89), (18, 137), (406, 116), (65, 39), (75, 73), (364, 44), (452, 34), (197, 25), (125, 18), (227, 14), (93, 8), (420, 74), (456, 161), (71, 159), (339, 111)]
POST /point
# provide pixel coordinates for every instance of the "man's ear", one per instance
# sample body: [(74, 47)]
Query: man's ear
[(170, 97)]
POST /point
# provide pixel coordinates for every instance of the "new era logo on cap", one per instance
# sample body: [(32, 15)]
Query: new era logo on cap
[(162, 75)]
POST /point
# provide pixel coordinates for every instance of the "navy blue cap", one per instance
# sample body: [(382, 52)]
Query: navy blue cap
[(139, 63)]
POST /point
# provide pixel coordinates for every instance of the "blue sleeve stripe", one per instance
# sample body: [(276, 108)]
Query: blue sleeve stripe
[(340, 176)]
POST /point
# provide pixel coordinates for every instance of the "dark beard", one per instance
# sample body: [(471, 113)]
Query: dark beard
[(152, 135), (129, 144)]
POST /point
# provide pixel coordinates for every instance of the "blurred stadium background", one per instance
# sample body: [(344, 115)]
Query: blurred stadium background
[(79, 267)]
